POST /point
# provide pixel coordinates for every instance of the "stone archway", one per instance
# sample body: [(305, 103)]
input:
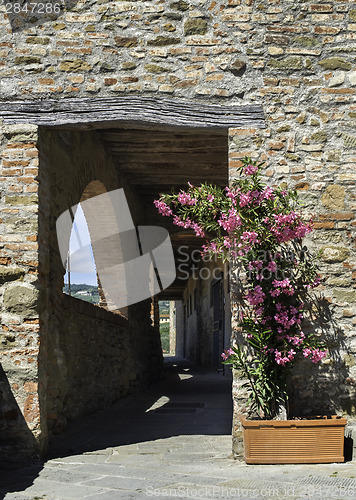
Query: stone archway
[(61, 155)]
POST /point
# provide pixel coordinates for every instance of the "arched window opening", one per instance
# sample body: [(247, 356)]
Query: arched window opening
[(81, 279)]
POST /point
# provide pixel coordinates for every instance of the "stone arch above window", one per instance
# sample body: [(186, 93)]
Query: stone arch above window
[(94, 188)]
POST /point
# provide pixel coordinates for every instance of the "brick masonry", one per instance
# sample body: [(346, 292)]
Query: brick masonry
[(296, 59), (20, 292)]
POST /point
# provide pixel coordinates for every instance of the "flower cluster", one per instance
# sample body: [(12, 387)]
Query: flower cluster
[(256, 296), (186, 199), (250, 169), (287, 227), (163, 208), (282, 359), (315, 355), (187, 223), (282, 287), (231, 221), (227, 353)]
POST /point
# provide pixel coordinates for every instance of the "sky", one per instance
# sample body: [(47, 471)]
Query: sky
[(81, 261)]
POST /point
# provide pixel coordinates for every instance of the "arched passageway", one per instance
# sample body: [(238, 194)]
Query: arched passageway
[(98, 356), (81, 357)]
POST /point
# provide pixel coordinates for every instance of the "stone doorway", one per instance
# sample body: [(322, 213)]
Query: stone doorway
[(82, 357)]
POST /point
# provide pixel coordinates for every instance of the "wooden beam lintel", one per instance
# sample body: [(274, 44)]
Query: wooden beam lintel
[(105, 112)]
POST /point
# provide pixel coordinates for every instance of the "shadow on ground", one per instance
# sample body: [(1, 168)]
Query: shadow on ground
[(186, 402)]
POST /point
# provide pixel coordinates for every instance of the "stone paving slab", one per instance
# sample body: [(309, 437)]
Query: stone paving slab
[(57, 490)]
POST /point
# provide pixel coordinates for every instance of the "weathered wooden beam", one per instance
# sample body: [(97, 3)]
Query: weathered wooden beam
[(88, 113)]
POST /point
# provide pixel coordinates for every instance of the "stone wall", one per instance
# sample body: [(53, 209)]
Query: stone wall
[(273, 52), (173, 328), (95, 371), (297, 59), (101, 361), (323, 175), (22, 378)]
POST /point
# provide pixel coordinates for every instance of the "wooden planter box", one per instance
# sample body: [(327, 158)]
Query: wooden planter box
[(320, 440)]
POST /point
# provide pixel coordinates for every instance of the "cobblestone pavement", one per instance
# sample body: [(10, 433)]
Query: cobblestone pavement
[(171, 441)]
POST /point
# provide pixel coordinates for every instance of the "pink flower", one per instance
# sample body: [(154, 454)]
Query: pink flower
[(182, 223), (232, 195), (210, 197), (287, 227), (259, 311), (296, 340), (315, 283), (318, 355), (163, 208), (267, 194), (227, 242), (231, 221), (272, 266), (227, 353), (250, 236), (186, 199), (212, 248), (256, 296), (287, 316), (250, 169), (245, 199), (315, 354), (283, 360), (255, 264), (283, 286), (198, 229)]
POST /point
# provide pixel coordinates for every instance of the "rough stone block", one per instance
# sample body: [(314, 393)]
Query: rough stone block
[(287, 63), (335, 63), (352, 78), (21, 300), (334, 254), (41, 40), (180, 5), (162, 41), (155, 68), (337, 79), (333, 197), (27, 60), (124, 41), (348, 296), (319, 136), (21, 200), (196, 26), (8, 273), (74, 65), (306, 41)]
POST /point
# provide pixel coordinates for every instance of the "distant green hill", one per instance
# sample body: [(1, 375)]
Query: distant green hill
[(88, 293)]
